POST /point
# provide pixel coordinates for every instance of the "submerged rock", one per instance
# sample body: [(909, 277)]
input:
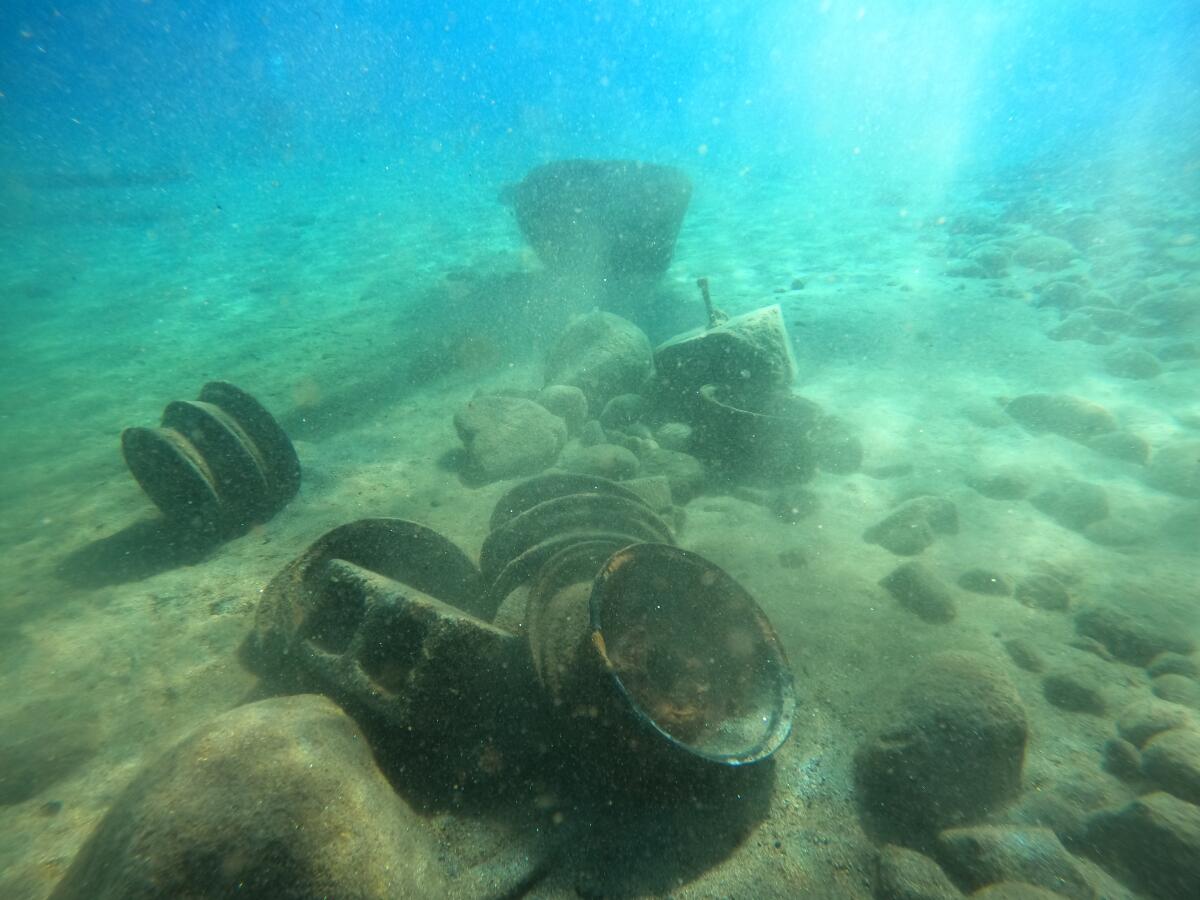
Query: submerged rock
[(1122, 759), (1174, 664), (1006, 485), (1061, 414), (1073, 691), (281, 798), (1176, 469), (508, 436), (1171, 759), (1171, 310), (995, 853), (1025, 655), (1062, 295), (921, 592), (1014, 890), (914, 525), (953, 751), (606, 460), (1121, 445), (1177, 689), (1129, 638), (601, 354), (1143, 719), (1044, 253), (985, 581), (685, 473), (1072, 503), (1132, 363), (1043, 591), (566, 402), (1153, 844), (903, 874)]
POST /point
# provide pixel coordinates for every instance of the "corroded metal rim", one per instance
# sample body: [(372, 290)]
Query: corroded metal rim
[(703, 586)]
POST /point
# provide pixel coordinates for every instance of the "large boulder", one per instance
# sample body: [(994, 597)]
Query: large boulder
[(601, 354), (601, 217), (506, 437), (280, 798), (953, 751)]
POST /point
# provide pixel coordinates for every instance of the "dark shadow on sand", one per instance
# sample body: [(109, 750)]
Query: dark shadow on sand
[(472, 323), (135, 552)]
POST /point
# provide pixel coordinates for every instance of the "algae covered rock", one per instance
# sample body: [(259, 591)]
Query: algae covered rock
[(954, 750), (280, 798), (506, 437), (601, 354)]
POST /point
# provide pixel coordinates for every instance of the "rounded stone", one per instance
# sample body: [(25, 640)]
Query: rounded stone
[(920, 591), (1044, 253), (1176, 469), (903, 874), (506, 437), (1178, 689), (1072, 690), (1171, 759), (954, 749), (566, 402), (1061, 414), (1143, 719), (601, 354), (607, 460), (1042, 591), (1122, 759), (985, 581), (1132, 363)]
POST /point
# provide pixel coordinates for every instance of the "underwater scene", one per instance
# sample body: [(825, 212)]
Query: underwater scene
[(600, 449)]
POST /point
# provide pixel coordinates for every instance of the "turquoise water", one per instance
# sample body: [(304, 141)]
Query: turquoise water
[(953, 205)]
